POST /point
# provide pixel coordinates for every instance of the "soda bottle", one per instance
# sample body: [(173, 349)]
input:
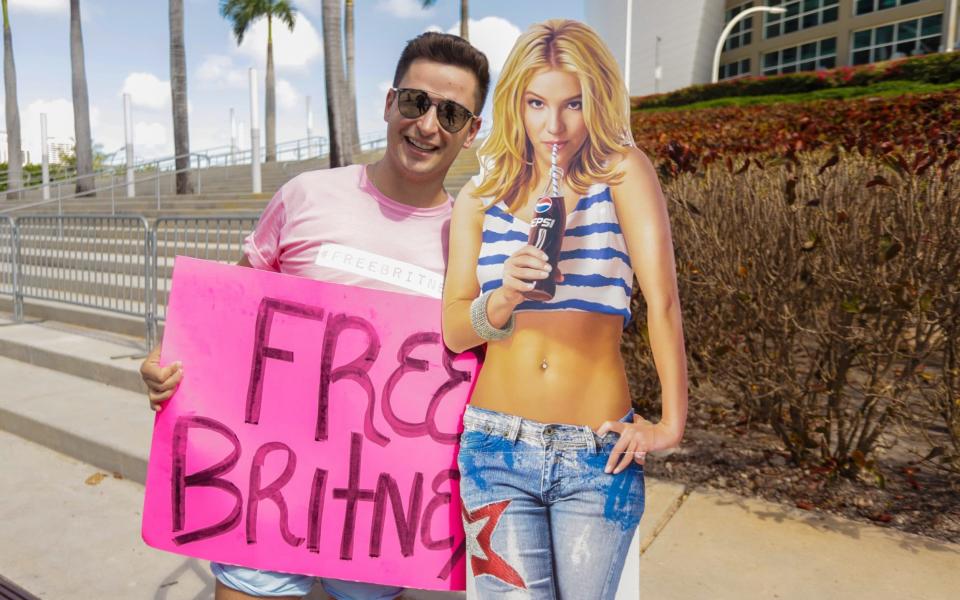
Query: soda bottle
[(546, 232)]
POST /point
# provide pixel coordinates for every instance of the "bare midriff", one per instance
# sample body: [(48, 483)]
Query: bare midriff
[(557, 367)]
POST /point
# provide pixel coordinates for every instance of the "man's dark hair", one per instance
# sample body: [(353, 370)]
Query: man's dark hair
[(447, 49)]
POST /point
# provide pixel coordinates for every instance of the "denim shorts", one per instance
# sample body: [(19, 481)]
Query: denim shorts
[(541, 517), (269, 584)]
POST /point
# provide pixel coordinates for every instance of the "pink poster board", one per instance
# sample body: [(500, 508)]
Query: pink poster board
[(314, 432)]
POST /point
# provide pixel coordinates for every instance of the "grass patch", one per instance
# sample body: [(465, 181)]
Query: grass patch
[(880, 90)]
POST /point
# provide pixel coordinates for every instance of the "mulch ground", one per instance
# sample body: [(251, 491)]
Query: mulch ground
[(722, 453)]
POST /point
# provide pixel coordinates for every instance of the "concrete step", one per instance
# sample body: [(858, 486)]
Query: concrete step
[(95, 355), (126, 326)]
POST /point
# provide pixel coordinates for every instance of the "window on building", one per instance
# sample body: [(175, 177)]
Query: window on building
[(863, 7), (737, 68), (742, 33), (897, 40), (811, 56), (801, 14)]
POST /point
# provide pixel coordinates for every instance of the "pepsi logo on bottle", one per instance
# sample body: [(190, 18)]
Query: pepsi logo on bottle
[(546, 234)]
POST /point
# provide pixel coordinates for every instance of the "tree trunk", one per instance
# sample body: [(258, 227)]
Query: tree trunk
[(81, 105), (352, 136), (178, 92), (14, 156), (465, 19), (271, 101), (333, 81)]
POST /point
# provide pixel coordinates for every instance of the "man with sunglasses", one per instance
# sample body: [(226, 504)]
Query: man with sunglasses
[(394, 212)]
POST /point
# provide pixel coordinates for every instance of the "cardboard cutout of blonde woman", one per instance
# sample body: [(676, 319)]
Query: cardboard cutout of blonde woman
[(546, 243)]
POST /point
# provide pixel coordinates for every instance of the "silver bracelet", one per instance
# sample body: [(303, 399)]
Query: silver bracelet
[(481, 323)]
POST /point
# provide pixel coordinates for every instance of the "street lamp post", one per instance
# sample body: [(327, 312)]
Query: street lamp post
[(128, 148), (254, 134), (779, 10), (951, 26), (44, 157), (657, 71)]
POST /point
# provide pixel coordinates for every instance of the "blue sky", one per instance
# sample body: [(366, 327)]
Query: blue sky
[(126, 47)]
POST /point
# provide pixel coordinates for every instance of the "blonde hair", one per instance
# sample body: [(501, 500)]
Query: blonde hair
[(507, 154)]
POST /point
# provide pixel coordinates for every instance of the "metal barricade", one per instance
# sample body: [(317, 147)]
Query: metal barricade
[(9, 265), (210, 238), (95, 261)]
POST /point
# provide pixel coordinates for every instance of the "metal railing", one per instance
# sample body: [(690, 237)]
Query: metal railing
[(9, 264), (119, 264), (220, 156), (100, 262)]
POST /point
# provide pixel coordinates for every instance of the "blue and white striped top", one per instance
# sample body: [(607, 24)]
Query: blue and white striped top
[(597, 275)]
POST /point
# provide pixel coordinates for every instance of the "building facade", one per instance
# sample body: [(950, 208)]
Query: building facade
[(824, 34), (673, 41)]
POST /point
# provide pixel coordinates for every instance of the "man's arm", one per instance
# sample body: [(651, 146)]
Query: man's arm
[(162, 382)]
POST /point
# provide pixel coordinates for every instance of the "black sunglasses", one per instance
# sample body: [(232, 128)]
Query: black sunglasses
[(414, 103)]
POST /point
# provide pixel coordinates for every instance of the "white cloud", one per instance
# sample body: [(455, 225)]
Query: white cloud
[(405, 9), (288, 97), (147, 91), (41, 6), (439, 29), (384, 86), (494, 36), (219, 71), (310, 6), (147, 135), (296, 48)]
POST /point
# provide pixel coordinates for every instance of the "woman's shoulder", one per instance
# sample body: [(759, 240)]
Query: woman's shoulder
[(630, 161), (467, 202)]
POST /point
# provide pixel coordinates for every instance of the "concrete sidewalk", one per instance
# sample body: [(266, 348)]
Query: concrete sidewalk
[(62, 537)]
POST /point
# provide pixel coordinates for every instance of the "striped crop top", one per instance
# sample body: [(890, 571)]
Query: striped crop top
[(597, 275)]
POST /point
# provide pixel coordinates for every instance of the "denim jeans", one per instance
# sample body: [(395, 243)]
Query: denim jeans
[(269, 584), (542, 518)]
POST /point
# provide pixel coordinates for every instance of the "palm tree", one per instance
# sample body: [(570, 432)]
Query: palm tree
[(337, 96), (178, 92), (242, 14), (352, 136), (13, 112), (464, 16), (81, 104)]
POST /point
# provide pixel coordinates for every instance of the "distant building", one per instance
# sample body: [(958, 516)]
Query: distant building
[(811, 35), (687, 30)]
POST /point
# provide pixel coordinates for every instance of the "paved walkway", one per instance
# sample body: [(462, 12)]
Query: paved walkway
[(63, 534)]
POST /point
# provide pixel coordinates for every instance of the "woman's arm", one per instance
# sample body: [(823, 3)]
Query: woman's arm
[(642, 212), (460, 287)]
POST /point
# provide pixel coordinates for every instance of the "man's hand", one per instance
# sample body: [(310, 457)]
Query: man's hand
[(161, 382)]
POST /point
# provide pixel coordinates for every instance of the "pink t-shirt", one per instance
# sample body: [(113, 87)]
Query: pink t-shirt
[(334, 225)]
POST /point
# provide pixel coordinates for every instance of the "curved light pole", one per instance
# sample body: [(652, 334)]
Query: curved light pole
[(779, 10)]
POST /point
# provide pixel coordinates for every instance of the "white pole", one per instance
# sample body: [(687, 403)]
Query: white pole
[(254, 133), (715, 75), (626, 54), (128, 136), (657, 70), (44, 157), (233, 137), (951, 26), (309, 126)]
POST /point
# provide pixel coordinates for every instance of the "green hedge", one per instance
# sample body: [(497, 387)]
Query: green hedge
[(932, 68)]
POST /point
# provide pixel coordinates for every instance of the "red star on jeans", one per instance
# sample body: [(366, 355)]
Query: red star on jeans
[(479, 526)]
